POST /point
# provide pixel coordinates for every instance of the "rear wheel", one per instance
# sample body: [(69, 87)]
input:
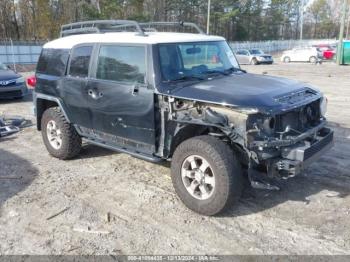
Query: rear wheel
[(255, 61), (313, 60), (206, 175), (60, 137)]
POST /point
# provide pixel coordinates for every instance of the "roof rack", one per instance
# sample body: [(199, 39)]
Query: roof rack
[(98, 26), (103, 26), (182, 24)]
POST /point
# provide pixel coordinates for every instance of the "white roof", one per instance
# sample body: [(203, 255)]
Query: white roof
[(129, 37)]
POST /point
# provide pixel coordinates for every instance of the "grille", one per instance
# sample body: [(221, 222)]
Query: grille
[(10, 94), (316, 147), (300, 119)]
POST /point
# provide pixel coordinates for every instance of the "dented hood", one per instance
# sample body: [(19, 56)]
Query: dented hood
[(250, 91)]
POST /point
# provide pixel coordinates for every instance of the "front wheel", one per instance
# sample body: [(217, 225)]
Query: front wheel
[(206, 175), (60, 137)]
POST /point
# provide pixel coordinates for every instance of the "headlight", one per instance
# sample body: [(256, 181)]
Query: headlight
[(20, 80), (323, 106)]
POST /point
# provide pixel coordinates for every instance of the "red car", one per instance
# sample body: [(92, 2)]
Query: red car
[(327, 51)]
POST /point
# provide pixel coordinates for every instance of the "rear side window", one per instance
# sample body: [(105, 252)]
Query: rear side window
[(121, 63), (80, 61), (53, 62)]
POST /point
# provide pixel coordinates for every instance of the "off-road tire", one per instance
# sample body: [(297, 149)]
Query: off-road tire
[(255, 61), (227, 170), (71, 141), (286, 59)]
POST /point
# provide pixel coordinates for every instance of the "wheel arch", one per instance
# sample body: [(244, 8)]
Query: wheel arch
[(42, 103), (187, 131), (183, 132)]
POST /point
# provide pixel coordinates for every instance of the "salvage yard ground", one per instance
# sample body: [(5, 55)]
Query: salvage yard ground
[(111, 203)]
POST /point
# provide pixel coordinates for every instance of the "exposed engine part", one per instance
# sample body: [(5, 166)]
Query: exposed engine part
[(259, 180)]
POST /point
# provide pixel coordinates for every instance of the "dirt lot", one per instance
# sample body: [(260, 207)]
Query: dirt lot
[(311, 215)]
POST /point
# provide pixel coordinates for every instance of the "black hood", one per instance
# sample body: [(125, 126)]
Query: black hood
[(242, 90), (8, 75)]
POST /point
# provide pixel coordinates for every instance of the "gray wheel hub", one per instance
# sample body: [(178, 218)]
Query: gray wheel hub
[(198, 177), (54, 134)]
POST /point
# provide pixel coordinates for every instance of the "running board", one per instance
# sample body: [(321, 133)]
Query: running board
[(148, 158)]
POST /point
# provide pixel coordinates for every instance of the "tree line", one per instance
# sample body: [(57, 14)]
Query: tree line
[(237, 20)]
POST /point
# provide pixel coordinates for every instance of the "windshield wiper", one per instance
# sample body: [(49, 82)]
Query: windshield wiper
[(188, 78), (226, 72)]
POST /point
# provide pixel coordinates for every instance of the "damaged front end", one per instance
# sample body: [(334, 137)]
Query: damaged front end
[(269, 145)]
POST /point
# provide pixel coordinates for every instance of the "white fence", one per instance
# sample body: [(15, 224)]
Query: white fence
[(278, 45)]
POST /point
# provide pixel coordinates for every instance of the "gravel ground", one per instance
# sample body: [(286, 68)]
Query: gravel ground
[(112, 203)]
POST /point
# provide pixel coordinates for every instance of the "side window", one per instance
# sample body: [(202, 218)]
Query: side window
[(53, 62), (80, 60), (121, 63), (242, 52)]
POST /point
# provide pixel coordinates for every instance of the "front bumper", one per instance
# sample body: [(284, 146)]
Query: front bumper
[(13, 91), (294, 159)]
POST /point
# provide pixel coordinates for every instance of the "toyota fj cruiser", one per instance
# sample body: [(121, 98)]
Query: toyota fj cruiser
[(180, 97)]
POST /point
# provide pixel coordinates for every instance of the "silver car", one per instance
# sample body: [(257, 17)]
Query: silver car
[(253, 56)]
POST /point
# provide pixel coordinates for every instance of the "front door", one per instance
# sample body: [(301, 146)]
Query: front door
[(122, 104)]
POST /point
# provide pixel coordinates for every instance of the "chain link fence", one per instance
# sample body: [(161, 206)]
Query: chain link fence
[(27, 52), (279, 45), (19, 52)]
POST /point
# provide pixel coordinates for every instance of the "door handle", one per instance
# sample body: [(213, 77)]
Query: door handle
[(94, 94), (135, 90)]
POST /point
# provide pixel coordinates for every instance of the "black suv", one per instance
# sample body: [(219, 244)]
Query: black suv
[(180, 97)]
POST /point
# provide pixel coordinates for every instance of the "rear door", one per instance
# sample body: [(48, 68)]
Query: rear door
[(74, 87), (122, 104)]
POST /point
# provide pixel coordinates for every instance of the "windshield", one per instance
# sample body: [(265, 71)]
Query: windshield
[(256, 52), (183, 61), (3, 67)]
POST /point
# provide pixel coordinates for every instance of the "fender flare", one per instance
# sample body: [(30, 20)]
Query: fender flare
[(37, 96)]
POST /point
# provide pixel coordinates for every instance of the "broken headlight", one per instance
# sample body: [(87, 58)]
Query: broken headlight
[(269, 125), (262, 123)]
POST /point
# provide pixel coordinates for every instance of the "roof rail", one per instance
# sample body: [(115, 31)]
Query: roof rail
[(103, 26), (98, 26), (181, 23)]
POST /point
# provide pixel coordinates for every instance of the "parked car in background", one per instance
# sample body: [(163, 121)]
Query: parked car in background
[(253, 56), (302, 54), (12, 85), (328, 51)]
